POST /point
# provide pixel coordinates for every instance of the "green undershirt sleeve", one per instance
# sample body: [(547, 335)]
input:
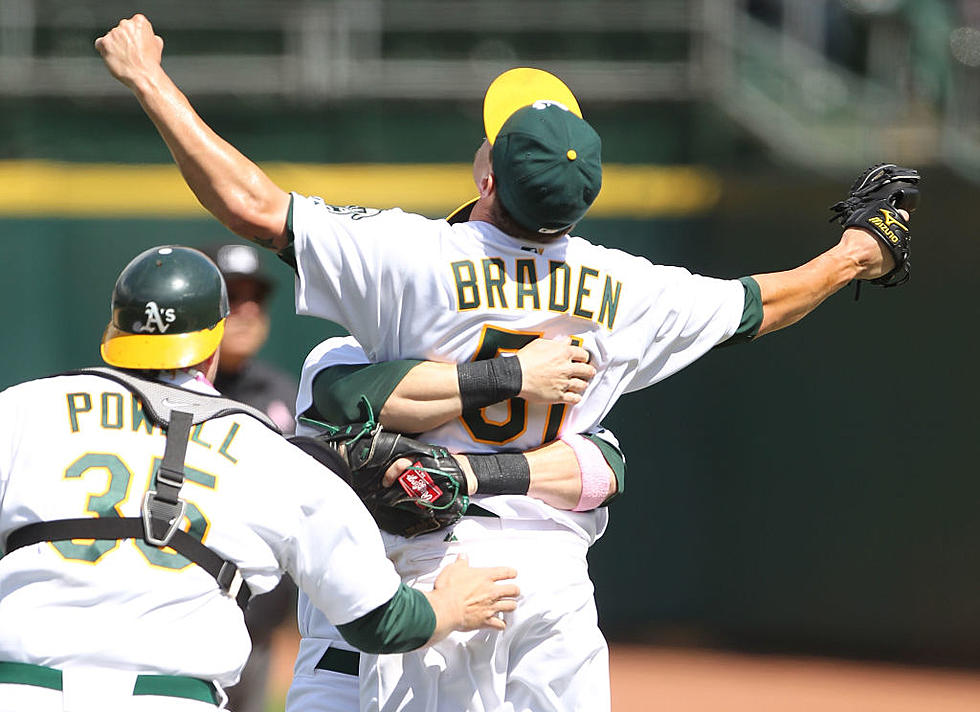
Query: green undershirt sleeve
[(288, 253), (404, 623), (616, 461), (751, 322), (337, 390)]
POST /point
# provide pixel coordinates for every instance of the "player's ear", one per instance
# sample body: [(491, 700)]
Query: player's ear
[(482, 167), (487, 185)]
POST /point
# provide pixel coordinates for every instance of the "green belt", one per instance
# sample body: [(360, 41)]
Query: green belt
[(189, 688), (475, 510), (339, 660)]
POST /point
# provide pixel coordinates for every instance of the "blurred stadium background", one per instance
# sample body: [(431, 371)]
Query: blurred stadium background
[(812, 497)]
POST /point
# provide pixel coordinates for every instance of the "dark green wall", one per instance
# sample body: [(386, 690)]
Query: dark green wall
[(815, 490)]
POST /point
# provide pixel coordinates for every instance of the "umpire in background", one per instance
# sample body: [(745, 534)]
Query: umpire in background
[(240, 375), (261, 385)]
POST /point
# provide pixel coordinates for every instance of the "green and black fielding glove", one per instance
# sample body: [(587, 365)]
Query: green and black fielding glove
[(873, 204), (428, 496)]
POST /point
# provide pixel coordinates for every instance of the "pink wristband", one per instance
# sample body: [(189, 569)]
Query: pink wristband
[(595, 472)]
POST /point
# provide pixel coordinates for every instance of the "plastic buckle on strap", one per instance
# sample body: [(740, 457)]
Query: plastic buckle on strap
[(230, 579), (152, 514), (165, 477)]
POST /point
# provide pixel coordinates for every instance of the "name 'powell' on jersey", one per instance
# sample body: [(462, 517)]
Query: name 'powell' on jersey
[(488, 285)]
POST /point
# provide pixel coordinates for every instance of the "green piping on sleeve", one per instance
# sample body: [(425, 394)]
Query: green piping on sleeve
[(404, 623), (616, 461), (337, 390), (751, 322), (288, 253)]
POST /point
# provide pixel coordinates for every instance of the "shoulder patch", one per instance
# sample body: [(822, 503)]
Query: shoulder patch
[(354, 212)]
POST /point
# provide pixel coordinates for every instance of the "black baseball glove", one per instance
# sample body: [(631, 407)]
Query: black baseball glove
[(873, 204), (428, 496)]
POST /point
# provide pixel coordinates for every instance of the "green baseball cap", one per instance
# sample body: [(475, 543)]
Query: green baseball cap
[(546, 157)]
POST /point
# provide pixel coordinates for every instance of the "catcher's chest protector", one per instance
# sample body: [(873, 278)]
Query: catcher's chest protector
[(175, 410)]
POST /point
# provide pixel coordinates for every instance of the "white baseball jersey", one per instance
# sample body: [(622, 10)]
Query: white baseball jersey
[(76, 446), (409, 287)]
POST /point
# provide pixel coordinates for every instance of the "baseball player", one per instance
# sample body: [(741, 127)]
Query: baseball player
[(337, 379), (409, 287), (138, 514)]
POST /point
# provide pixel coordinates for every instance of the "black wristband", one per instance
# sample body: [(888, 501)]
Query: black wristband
[(506, 473), (483, 383)]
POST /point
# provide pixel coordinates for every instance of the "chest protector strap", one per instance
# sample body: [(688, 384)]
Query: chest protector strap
[(176, 410)]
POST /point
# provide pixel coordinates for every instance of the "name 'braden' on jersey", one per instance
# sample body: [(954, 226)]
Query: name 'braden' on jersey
[(489, 286)]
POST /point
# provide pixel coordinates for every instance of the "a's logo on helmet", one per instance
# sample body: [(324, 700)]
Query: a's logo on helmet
[(157, 320)]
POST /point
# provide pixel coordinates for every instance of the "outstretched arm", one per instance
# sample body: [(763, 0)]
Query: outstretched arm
[(229, 185), (789, 296), (875, 246)]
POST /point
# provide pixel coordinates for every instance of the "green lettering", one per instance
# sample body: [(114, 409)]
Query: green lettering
[(465, 275), (527, 283), (556, 269), (227, 443), (74, 409), (196, 436), (495, 282), (583, 293), (139, 418), (106, 409), (101, 505), (610, 302)]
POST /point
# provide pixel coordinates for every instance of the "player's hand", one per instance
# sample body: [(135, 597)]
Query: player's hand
[(554, 371), (871, 254), (130, 50), (399, 467), (396, 470), (467, 598)]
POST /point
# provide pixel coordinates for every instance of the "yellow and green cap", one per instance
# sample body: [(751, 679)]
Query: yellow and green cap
[(168, 310), (546, 158)]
